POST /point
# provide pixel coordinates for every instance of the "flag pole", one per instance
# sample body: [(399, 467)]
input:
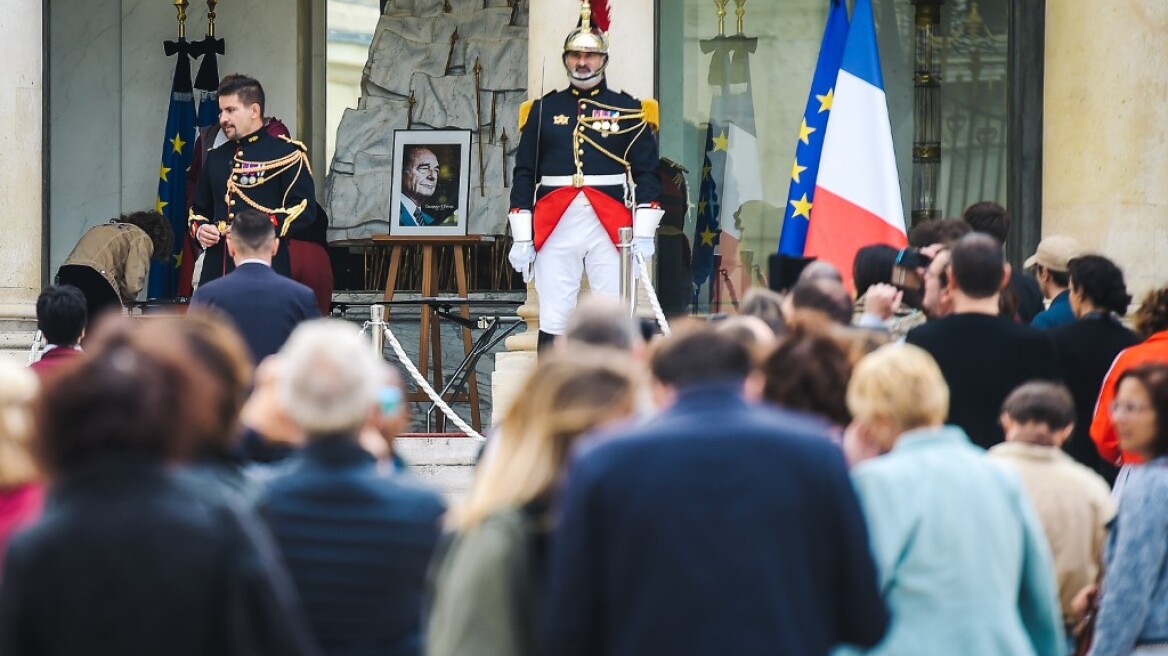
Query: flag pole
[(211, 17), (181, 7)]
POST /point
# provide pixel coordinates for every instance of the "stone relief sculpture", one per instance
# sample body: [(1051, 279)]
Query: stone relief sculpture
[(433, 64)]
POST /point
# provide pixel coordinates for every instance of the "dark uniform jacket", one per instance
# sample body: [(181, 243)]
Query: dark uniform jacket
[(282, 189), (546, 143)]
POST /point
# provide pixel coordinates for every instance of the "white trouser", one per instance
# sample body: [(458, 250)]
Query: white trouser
[(578, 244)]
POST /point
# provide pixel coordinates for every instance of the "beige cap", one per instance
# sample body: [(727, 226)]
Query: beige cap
[(1054, 252)]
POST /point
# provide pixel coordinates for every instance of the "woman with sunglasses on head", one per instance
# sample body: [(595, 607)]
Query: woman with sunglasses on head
[(1133, 607)]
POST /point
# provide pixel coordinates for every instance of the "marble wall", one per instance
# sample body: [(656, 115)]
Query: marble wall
[(21, 112), (108, 93), (1104, 154)]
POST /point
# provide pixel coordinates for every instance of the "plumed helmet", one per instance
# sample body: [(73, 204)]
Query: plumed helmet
[(589, 37)]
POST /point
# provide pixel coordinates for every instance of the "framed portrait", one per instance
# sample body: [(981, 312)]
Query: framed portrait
[(430, 189)]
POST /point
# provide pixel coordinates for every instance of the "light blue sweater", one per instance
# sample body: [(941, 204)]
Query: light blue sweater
[(963, 563), (1134, 606)]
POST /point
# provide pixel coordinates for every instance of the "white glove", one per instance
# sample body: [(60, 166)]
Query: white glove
[(644, 247), (522, 257)]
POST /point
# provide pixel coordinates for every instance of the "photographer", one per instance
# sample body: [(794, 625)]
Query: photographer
[(890, 287)]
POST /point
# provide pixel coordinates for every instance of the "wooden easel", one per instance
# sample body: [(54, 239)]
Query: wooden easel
[(430, 335)]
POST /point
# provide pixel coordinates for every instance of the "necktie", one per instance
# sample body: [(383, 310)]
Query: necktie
[(418, 216)]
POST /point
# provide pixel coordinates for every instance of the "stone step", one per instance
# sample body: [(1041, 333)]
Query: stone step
[(447, 463)]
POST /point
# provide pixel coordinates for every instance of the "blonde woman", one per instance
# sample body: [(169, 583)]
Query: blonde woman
[(488, 586), (961, 558), (21, 490)]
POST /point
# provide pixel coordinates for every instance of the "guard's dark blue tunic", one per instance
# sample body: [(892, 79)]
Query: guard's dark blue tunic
[(240, 171)]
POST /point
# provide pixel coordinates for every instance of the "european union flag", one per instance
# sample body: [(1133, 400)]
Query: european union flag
[(177, 147), (809, 148), (709, 207)]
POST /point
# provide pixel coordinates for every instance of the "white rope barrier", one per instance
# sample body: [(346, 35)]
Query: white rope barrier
[(651, 292), (424, 384)]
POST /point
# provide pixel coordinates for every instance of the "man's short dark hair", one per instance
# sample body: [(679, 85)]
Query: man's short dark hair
[(988, 217), (765, 304), (61, 314), (252, 231), (937, 231), (977, 265), (826, 296), (1041, 403), (247, 89), (1060, 278), (697, 353)]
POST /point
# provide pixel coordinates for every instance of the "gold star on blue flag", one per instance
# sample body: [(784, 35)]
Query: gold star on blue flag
[(177, 148), (809, 145)]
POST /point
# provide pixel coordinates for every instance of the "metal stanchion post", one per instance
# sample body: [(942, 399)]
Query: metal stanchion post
[(377, 328), (628, 271)]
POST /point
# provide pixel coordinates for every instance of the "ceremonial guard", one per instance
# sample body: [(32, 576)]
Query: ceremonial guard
[(586, 167), (252, 170)]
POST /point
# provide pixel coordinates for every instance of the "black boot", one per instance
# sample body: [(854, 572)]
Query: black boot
[(546, 341)]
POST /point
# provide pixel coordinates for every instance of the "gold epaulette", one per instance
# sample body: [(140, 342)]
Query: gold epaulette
[(294, 142), (652, 112), (524, 111)]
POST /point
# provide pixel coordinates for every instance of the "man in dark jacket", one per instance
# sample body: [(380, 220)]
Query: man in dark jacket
[(356, 543), (982, 354), (265, 306), (722, 527)]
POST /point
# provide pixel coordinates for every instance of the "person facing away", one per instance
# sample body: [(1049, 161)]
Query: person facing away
[(704, 531), (961, 559), (1050, 263), (1072, 501), (982, 355), (61, 318), (264, 306), (419, 182), (1021, 298), (1087, 347), (22, 490), (127, 559), (356, 542), (1151, 324), (488, 597)]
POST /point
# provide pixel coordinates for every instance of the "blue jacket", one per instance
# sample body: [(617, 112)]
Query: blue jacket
[(963, 560), (719, 528), (1058, 314), (407, 219), (264, 305), (357, 545), (1134, 605)]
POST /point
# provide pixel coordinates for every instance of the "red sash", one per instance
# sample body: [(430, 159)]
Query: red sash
[(548, 210)]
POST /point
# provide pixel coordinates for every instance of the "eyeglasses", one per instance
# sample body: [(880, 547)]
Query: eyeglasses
[(1128, 408)]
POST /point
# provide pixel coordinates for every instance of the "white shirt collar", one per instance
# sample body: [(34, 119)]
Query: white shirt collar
[(252, 260)]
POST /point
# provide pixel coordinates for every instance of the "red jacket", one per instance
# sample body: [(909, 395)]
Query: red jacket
[(1153, 349), (53, 359)]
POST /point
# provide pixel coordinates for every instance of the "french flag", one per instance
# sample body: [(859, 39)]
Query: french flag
[(857, 192)]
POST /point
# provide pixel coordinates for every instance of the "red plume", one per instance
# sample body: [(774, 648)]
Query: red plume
[(600, 16)]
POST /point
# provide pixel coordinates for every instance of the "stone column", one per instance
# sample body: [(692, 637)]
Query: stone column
[(21, 172), (631, 68), (1104, 160)]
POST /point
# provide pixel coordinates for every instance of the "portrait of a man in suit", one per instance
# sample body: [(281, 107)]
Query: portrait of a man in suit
[(419, 182)]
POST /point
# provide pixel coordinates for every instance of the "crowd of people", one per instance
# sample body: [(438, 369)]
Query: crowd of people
[(931, 466)]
